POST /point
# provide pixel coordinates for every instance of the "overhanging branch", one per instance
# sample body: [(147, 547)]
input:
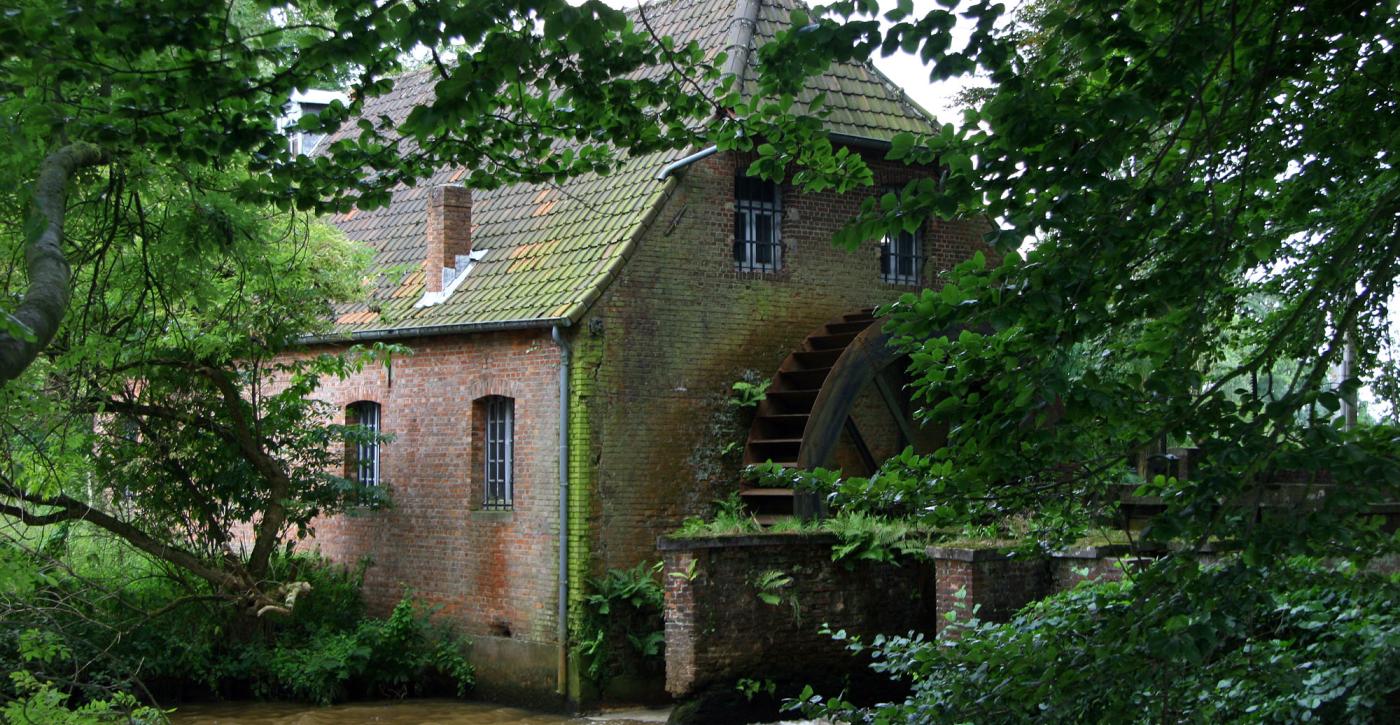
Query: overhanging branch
[(50, 284)]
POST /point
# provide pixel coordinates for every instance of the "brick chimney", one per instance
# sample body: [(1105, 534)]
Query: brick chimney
[(449, 235)]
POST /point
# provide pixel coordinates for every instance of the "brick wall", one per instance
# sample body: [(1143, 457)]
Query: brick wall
[(717, 628), (986, 583), (997, 585), (493, 572), (679, 325)]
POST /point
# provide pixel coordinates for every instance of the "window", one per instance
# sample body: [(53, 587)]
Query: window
[(901, 258), (363, 463), (757, 225), (499, 440)]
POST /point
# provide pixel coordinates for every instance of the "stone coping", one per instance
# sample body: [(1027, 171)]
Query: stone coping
[(968, 553), (688, 543)]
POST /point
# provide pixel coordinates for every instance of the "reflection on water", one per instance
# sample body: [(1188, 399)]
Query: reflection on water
[(409, 712)]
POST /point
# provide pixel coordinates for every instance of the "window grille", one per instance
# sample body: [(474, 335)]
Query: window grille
[(500, 450), (757, 225), (365, 414), (902, 258)]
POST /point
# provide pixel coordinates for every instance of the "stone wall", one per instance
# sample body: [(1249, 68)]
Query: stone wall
[(718, 629)]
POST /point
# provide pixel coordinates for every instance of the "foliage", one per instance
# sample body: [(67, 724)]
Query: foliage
[(769, 584), (749, 394), (165, 258), (181, 421), (717, 456), (622, 630), (42, 702), (1167, 170), (860, 535), (1287, 643), (775, 475), (1195, 212), (876, 538), (101, 631), (772, 586), (392, 657), (730, 519), (750, 687)]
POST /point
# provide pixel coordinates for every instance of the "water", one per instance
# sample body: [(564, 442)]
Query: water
[(412, 712)]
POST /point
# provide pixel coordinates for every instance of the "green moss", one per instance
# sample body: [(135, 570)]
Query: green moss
[(587, 356)]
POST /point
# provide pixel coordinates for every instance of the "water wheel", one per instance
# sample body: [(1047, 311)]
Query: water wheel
[(839, 400)]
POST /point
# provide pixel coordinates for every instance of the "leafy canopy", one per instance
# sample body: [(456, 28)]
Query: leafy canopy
[(1205, 193), (1193, 209)]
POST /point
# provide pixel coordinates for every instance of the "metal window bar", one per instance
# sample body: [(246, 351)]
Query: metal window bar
[(500, 452), (367, 452), (902, 258), (758, 218)]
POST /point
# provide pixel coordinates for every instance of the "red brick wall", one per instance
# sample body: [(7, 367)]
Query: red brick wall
[(493, 572), (986, 584), (717, 628), (679, 325)]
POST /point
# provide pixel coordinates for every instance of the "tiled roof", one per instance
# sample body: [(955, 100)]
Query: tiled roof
[(551, 249), (861, 100)]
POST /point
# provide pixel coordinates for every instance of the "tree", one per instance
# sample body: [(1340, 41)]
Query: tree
[(1165, 166), (1170, 164), (102, 86), (171, 257)]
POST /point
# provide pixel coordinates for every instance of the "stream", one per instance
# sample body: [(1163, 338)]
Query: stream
[(406, 712)]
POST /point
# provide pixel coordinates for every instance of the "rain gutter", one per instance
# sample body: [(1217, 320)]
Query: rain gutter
[(401, 333)]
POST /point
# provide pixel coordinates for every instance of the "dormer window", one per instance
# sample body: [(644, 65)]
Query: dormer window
[(757, 225), (902, 258)]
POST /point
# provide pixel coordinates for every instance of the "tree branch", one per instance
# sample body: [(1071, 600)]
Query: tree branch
[(50, 285), (71, 509)]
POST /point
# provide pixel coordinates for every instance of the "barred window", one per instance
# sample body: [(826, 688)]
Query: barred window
[(499, 440), (902, 258), (757, 225), (363, 465)]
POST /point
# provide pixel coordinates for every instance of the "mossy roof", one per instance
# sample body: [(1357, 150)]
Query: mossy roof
[(551, 249)]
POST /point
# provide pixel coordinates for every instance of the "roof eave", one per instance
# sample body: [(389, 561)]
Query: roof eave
[(405, 333)]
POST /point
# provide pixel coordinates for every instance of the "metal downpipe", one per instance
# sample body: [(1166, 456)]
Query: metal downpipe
[(563, 611)]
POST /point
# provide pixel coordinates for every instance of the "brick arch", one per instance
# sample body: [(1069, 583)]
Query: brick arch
[(485, 387)]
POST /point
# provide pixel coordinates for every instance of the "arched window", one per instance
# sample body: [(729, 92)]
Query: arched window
[(498, 449), (362, 459)]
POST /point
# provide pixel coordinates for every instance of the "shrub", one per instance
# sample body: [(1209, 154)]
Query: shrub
[(623, 631), (1286, 643), (101, 639)]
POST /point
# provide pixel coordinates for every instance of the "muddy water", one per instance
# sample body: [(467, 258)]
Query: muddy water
[(414, 712)]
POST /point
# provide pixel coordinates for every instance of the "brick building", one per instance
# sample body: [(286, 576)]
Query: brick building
[(573, 342)]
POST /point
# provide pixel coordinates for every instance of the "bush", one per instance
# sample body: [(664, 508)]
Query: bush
[(1228, 643), (394, 657), (101, 640)]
